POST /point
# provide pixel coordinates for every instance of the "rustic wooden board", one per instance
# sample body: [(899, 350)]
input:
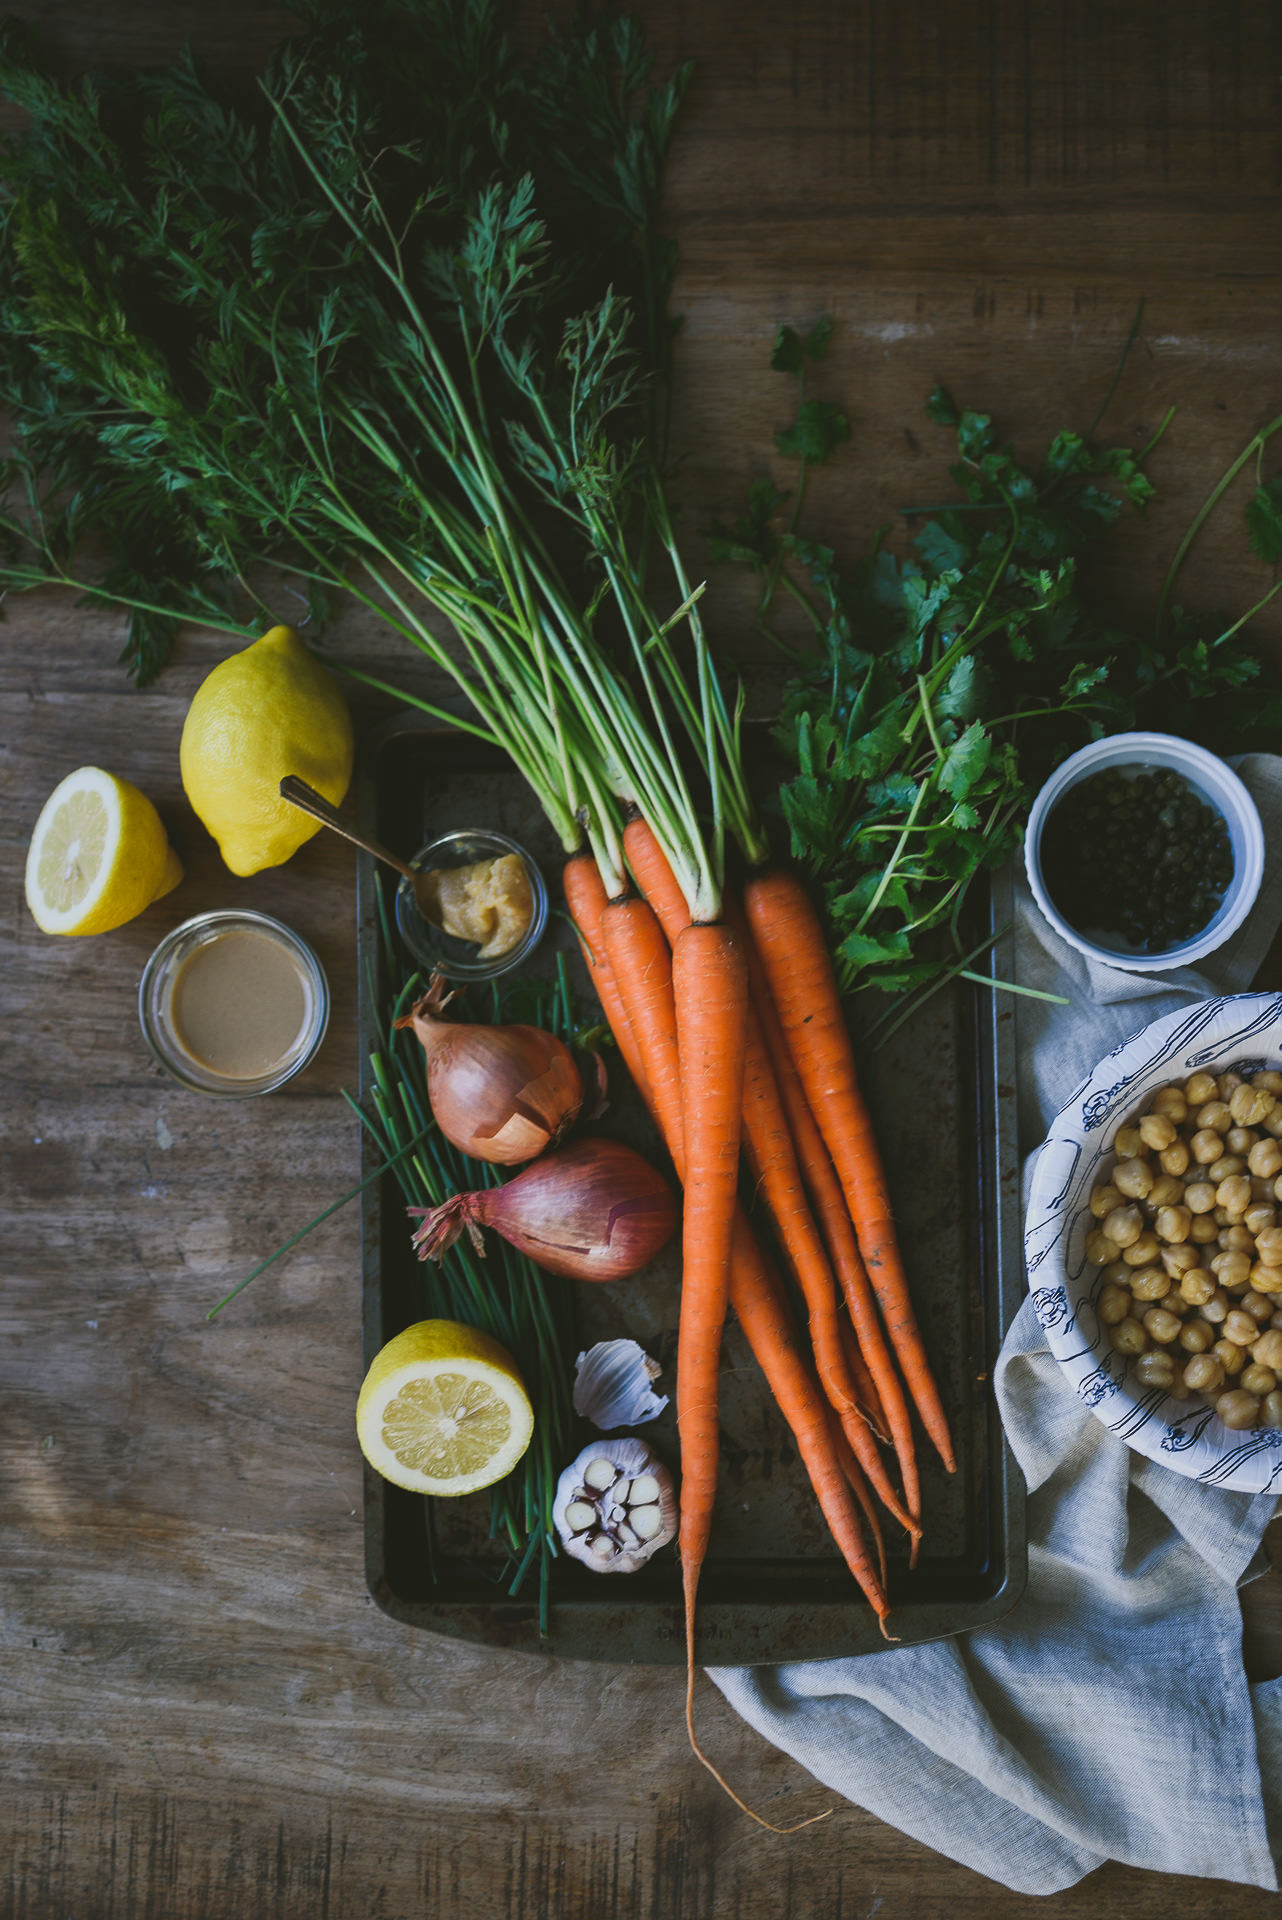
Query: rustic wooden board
[(204, 1717)]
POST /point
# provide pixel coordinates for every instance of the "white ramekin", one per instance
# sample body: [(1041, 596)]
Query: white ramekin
[(1213, 781)]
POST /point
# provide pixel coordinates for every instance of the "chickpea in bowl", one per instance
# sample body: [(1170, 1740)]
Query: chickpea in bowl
[(1189, 1243), (1153, 1241)]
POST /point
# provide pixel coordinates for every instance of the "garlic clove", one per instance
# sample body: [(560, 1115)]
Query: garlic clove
[(612, 1385), (620, 1531)]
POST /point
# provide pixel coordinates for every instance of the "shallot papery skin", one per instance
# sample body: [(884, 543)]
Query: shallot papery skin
[(592, 1211), (502, 1094)]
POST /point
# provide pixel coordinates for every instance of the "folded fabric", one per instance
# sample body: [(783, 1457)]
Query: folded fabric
[(1108, 1716)]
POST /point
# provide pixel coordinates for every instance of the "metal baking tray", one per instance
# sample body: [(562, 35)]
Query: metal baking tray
[(773, 1588)]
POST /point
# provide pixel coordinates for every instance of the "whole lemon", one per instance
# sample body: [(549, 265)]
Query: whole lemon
[(265, 712)]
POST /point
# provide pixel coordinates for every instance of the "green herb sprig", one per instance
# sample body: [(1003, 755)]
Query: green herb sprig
[(939, 690)]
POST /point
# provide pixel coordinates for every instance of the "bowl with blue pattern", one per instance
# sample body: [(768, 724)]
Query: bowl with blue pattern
[(1239, 1033)]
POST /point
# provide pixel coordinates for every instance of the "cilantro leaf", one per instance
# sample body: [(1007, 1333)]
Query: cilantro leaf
[(819, 429)]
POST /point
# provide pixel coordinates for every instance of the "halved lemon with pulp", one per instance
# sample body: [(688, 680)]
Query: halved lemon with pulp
[(443, 1410), (99, 854)]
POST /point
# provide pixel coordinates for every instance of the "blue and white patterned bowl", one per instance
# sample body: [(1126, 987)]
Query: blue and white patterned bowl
[(1241, 1033)]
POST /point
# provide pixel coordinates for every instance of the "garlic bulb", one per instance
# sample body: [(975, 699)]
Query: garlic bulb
[(615, 1506), (612, 1385)]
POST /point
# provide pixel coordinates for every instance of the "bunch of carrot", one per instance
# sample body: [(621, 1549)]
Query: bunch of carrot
[(734, 1034)]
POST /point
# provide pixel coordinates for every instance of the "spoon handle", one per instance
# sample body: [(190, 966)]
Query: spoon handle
[(306, 798)]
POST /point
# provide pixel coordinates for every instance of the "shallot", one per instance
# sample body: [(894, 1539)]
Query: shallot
[(592, 1211), (498, 1093)]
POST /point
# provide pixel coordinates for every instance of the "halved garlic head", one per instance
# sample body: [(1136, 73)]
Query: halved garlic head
[(615, 1506)]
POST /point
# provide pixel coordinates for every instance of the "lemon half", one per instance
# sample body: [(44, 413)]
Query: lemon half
[(269, 710), (443, 1410), (99, 854)]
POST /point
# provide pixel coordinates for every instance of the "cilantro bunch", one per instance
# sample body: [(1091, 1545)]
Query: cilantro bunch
[(942, 688)]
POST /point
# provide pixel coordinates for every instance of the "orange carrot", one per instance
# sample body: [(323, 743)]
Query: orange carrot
[(789, 938), (755, 1295), (834, 1219), (859, 1486), (769, 1145), (585, 896), (865, 1386), (710, 994), (687, 1011)]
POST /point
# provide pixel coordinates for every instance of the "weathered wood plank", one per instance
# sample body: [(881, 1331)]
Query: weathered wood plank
[(203, 1715)]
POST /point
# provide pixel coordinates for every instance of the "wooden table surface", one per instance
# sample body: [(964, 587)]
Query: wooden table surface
[(204, 1716)]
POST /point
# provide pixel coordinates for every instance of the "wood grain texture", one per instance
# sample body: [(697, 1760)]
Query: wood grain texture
[(202, 1715)]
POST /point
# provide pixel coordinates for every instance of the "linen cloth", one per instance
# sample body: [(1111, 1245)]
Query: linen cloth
[(1108, 1716)]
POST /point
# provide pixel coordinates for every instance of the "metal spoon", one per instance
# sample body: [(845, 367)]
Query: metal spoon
[(306, 798)]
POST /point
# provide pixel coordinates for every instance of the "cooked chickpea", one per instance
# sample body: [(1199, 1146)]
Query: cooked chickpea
[(1271, 1411), (1161, 1326), (1123, 1225), (1238, 1410), (1133, 1178), (1191, 1270), (1155, 1370), (1175, 1158), (1204, 1373), (1128, 1336), (1196, 1337), (1231, 1269), (1157, 1131), (1150, 1283), (1172, 1224), (1166, 1191), (1267, 1350), (1113, 1305), (1250, 1105), (1234, 1192), (1265, 1158), (1178, 1259)]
